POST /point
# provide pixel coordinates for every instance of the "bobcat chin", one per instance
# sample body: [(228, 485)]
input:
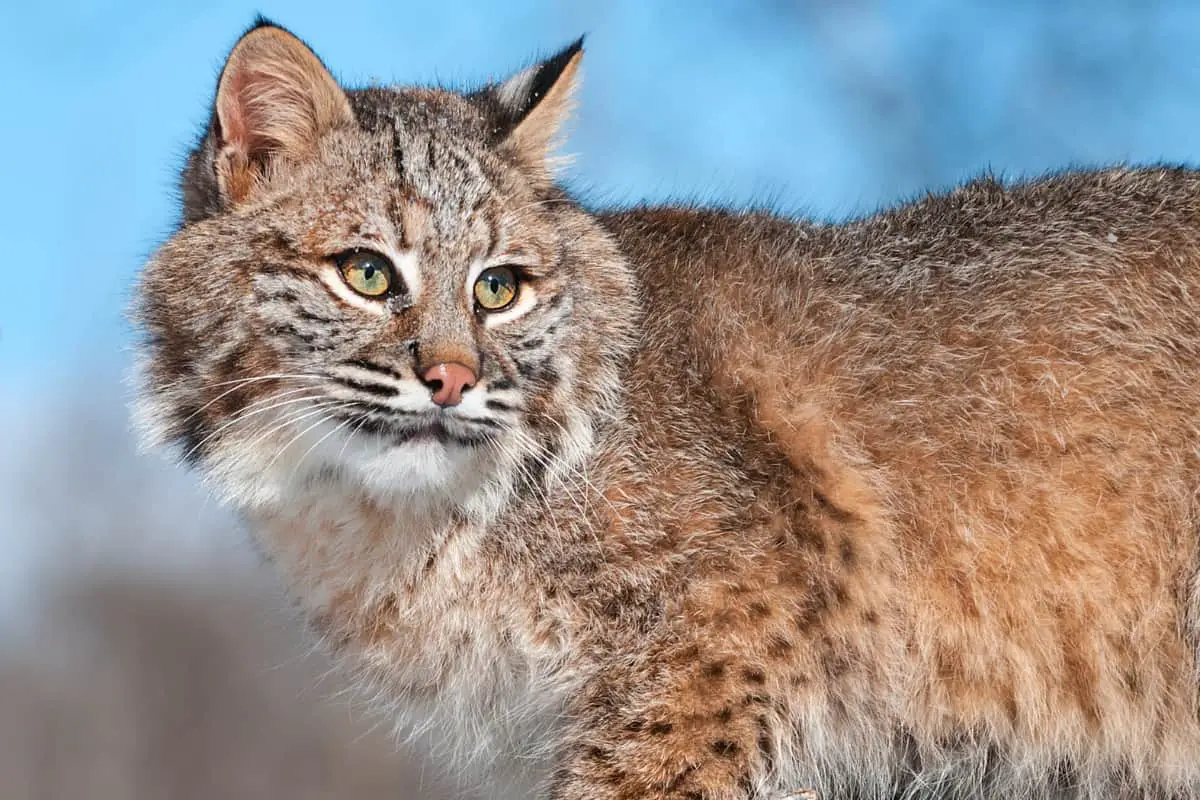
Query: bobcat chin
[(684, 503)]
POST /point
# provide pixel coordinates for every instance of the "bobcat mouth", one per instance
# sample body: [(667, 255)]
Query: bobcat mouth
[(432, 429)]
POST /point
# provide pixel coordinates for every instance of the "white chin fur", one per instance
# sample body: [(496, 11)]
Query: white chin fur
[(298, 463)]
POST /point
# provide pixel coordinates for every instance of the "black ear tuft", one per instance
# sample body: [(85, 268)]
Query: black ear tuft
[(261, 22), (544, 76)]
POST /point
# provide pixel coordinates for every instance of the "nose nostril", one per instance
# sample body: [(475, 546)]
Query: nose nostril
[(447, 382)]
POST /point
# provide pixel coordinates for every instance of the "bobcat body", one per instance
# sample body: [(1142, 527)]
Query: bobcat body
[(717, 505)]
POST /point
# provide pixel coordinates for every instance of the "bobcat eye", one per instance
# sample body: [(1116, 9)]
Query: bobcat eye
[(495, 288), (367, 273)]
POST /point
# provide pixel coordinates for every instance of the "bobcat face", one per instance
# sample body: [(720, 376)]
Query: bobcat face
[(382, 288)]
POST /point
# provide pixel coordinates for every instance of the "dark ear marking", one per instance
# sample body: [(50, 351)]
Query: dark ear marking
[(531, 106), (530, 86)]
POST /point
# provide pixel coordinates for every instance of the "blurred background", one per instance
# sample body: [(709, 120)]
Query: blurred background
[(144, 652)]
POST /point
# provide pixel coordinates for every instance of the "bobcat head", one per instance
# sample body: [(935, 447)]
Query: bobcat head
[(382, 289)]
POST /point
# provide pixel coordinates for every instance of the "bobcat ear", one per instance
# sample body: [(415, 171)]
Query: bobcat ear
[(537, 101), (274, 100)]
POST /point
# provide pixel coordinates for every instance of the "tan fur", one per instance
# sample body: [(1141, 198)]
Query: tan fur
[(904, 506)]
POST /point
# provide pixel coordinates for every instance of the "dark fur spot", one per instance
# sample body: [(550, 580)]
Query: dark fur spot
[(759, 609), (834, 660), (525, 369), (778, 646), (1011, 709), (754, 676), (549, 377), (724, 715), (661, 728), (533, 470), (387, 611), (766, 746), (814, 609), (191, 437), (1132, 682), (846, 550), (599, 754), (430, 155), (674, 783), (604, 698), (612, 609), (828, 506), (713, 669), (725, 748), (839, 592)]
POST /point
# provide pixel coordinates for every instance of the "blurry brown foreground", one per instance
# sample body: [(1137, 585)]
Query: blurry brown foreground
[(152, 690)]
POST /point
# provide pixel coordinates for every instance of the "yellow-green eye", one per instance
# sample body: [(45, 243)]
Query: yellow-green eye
[(367, 273), (495, 288)]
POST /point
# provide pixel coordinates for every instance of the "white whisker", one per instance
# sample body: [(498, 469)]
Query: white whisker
[(240, 382), (325, 417), (245, 413)]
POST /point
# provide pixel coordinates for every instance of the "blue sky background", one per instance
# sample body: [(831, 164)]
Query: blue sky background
[(828, 108)]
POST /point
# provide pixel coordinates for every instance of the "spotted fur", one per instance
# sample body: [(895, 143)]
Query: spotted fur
[(901, 507)]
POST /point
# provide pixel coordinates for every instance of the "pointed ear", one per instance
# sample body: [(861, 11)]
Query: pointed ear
[(274, 100), (537, 101)]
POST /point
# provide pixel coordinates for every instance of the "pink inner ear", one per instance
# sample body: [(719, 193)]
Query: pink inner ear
[(241, 127), (274, 100), (232, 112)]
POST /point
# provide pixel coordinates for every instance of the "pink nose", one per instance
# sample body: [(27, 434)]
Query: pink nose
[(448, 382)]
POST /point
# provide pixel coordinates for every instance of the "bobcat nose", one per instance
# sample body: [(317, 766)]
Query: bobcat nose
[(448, 381)]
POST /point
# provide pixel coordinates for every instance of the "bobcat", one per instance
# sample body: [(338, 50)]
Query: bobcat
[(688, 503)]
